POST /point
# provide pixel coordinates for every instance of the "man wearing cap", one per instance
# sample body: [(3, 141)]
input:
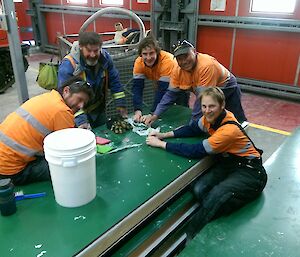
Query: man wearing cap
[(23, 131), (156, 65), (194, 72)]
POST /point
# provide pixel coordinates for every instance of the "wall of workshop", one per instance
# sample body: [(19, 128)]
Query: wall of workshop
[(24, 24), (70, 23), (258, 54), (24, 20)]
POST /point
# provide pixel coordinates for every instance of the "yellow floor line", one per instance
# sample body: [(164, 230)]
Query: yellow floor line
[(270, 129)]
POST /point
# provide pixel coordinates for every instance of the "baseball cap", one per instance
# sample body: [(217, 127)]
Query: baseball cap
[(182, 47)]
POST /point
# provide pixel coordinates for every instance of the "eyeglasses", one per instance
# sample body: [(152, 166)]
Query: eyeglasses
[(179, 44), (82, 83)]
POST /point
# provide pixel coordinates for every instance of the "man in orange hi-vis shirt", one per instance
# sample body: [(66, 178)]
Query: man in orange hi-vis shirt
[(194, 72), (237, 176), (23, 131), (156, 65)]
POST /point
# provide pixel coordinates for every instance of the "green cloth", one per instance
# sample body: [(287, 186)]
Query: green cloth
[(103, 148)]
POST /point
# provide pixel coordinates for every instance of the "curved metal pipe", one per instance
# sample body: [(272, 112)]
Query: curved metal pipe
[(115, 10)]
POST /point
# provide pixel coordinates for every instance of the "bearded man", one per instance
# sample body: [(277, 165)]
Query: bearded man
[(93, 64)]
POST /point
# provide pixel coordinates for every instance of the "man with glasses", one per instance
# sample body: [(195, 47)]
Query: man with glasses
[(154, 64), (23, 131), (88, 60), (194, 72)]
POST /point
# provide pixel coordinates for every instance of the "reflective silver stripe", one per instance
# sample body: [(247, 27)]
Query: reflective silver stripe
[(245, 148), (207, 146), (224, 70), (200, 125), (139, 76), (164, 79), (16, 146), (198, 90), (33, 121)]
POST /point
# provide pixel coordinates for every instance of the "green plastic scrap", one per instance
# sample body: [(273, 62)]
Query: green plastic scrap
[(104, 148)]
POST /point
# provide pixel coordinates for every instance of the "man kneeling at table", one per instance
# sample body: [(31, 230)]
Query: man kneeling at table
[(237, 177), (23, 131)]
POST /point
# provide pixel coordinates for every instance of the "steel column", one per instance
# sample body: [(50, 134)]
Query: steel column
[(15, 50)]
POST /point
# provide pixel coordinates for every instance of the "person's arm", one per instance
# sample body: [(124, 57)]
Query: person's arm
[(115, 85), (191, 130), (183, 149), (65, 71), (169, 98), (162, 135), (187, 150), (137, 96), (196, 151), (160, 92), (137, 92)]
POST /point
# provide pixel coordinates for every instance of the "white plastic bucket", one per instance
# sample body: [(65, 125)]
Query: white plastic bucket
[(71, 157)]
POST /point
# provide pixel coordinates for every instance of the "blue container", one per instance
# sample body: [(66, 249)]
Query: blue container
[(7, 197)]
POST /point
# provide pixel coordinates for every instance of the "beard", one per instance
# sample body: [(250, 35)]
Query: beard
[(92, 62)]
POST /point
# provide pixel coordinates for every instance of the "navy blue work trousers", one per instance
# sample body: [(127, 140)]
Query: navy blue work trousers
[(35, 171), (223, 189)]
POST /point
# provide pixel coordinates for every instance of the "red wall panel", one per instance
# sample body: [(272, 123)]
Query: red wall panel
[(146, 7), (73, 23), (215, 42), (266, 55), (54, 25), (24, 20), (258, 54), (204, 8)]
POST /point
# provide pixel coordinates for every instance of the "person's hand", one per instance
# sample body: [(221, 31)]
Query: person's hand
[(85, 126), (155, 142), (123, 112), (157, 134), (161, 135), (137, 116), (149, 119)]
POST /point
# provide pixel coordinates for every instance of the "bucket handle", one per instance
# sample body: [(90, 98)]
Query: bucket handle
[(69, 162)]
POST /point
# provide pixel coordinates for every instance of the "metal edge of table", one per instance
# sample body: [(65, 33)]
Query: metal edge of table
[(107, 240), (159, 237)]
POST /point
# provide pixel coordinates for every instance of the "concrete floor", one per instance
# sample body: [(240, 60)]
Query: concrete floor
[(9, 100), (266, 111)]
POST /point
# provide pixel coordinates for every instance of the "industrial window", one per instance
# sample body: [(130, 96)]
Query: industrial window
[(273, 6), (77, 1), (112, 2)]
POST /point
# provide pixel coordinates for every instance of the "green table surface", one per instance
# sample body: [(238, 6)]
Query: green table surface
[(126, 180)]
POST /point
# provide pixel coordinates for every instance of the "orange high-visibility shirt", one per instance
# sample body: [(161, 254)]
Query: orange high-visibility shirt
[(208, 72), (160, 71), (23, 131), (227, 139)]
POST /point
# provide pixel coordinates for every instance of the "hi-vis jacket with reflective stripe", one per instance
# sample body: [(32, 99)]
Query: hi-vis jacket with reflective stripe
[(74, 65), (23, 131), (208, 72), (226, 139), (159, 72)]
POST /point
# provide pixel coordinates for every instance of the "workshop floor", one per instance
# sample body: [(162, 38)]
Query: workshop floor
[(271, 119)]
